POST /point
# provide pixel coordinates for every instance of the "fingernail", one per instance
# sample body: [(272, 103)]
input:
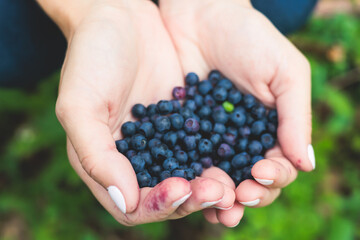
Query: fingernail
[(209, 204), (181, 200), (264, 181), (251, 203), (234, 225), (224, 208), (311, 154), (118, 198)]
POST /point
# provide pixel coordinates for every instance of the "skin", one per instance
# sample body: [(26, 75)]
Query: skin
[(233, 37), (123, 52)]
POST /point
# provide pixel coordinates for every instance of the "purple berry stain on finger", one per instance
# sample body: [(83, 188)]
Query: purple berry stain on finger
[(207, 123)]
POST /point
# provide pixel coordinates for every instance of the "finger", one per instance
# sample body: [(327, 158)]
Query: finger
[(210, 215), (232, 217), (291, 88), (252, 194), (206, 193), (219, 175), (95, 148), (275, 171)]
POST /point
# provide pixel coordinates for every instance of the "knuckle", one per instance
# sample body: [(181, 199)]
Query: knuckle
[(89, 165)]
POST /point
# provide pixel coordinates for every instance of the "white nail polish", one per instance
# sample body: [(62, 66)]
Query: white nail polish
[(118, 198), (209, 204), (311, 155), (251, 203), (224, 208), (181, 200), (265, 182)]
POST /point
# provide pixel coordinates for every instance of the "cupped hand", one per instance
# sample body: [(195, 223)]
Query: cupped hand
[(120, 54), (231, 36)]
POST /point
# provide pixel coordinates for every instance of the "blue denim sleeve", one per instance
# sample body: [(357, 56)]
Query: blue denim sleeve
[(32, 47)]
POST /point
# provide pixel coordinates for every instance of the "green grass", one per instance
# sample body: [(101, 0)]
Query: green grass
[(41, 197)]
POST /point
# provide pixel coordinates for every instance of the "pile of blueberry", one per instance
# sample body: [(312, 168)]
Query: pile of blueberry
[(207, 123)]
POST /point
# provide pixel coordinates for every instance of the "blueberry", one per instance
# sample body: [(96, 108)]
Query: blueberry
[(129, 154), (215, 139), (164, 107), (155, 170), (267, 141), (138, 111), (153, 118), (233, 131), (204, 87), (192, 79), (197, 167), (214, 76), (249, 119), (154, 142), (158, 135), (190, 91), (219, 94), (177, 121), (257, 128), (191, 125), (220, 116), (178, 173), (225, 83), (246, 172), (159, 152), (154, 181), (137, 124), (205, 126), (181, 156), (138, 142), (204, 112), (169, 153), (238, 118), (176, 105), (225, 166), (225, 151), (190, 104), (234, 96), (249, 101), (128, 140), (242, 144), (240, 160), (206, 162), (147, 129), (193, 155), (186, 112), (271, 128), (151, 110), (179, 93), (190, 174), (255, 147), (237, 177), (144, 179), (255, 159), (258, 111), (164, 175), (147, 157), (170, 164), (122, 146), (209, 101), (244, 131), (198, 100), (205, 146), (181, 134), (229, 138), (219, 128), (138, 163), (170, 138), (273, 116), (128, 129), (162, 124), (145, 119)]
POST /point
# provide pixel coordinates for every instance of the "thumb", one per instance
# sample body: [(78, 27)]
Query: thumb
[(95, 147), (292, 90)]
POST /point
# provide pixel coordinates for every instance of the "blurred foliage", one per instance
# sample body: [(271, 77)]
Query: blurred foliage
[(41, 197)]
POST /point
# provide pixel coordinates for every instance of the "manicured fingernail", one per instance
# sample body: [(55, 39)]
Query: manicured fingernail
[(181, 200), (224, 208), (209, 204), (251, 203), (234, 225), (118, 198), (264, 181), (311, 155)]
